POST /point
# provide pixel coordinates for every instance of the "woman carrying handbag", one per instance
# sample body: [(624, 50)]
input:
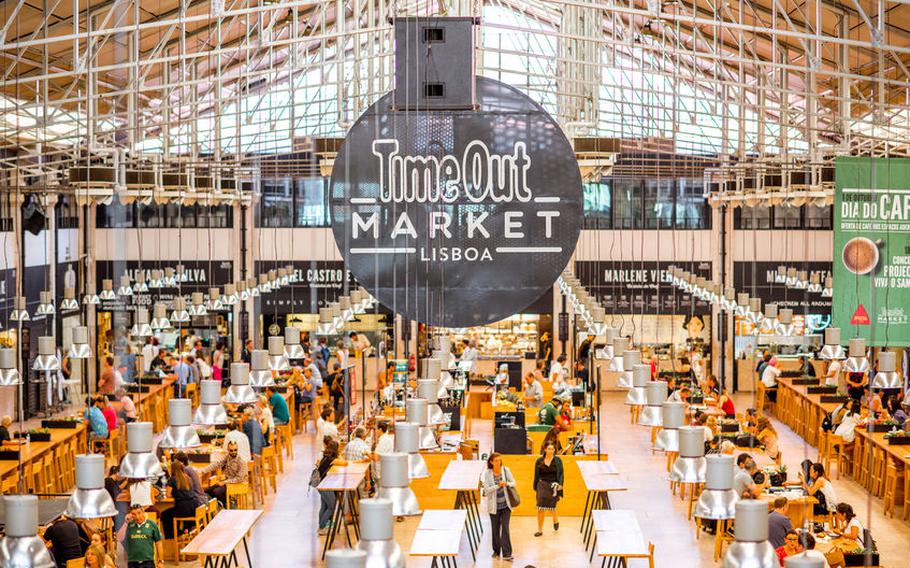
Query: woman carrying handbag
[(498, 489), (548, 481)]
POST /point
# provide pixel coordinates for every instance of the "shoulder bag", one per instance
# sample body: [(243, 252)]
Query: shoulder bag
[(512, 492)]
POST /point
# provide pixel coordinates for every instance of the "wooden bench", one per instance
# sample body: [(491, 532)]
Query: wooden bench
[(441, 545), (220, 538)]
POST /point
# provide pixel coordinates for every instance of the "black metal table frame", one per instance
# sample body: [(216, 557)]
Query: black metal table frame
[(339, 519), (223, 559), (439, 561), (595, 500), (466, 500)]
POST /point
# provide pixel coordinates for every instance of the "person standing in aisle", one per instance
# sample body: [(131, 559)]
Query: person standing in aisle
[(494, 481), (218, 362), (548, 482), (143, 540)]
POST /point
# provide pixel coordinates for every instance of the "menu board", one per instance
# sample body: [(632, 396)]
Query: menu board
[(636, 287), (757, 279)]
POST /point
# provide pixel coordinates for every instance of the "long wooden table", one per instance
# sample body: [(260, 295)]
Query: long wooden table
[(221, 537), (463, 477), (344, 481), (600, 478), (618, 536), (35, 451)]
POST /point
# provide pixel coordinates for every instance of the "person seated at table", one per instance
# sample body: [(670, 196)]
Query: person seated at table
[(180, 489), (195, 481), (127, 406), (743, 482), (280, 412), (847, 524), (725, 403), (253, 432), (779, 524), (710, 389), (110, 415), (847, 427), (5, 423), (820, 487), (235, 435), (549, 414), (769, 378), (533, 392), (330, 457), (266, 420), (233, 470), (64, 541), (681, 394), (896, 411), (95, 418), (808, 542), (564, 421), (767, 435), (855, 384), (357, 449), (97, 557), (791, 546), (552, 437)]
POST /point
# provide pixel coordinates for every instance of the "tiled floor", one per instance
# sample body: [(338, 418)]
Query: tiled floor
[(286, 535)]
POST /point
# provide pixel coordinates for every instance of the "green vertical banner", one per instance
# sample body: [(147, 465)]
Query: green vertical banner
[(872, 249)]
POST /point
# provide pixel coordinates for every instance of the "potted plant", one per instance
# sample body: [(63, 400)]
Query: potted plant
[(36, 435), (65, 422), (898, 438), (883, 426), (822, 389), (839, 397)]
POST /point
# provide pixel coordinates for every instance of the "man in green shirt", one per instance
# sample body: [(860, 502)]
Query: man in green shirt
[(550, 412), (143, 540), (280, 412)]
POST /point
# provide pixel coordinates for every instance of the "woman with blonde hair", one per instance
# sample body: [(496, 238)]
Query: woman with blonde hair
[(767, 435), (97, 557)]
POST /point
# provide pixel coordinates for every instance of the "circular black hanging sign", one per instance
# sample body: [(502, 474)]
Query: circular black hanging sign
[(457, 218)]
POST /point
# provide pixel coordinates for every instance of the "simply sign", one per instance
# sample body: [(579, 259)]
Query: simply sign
[(457, 218)]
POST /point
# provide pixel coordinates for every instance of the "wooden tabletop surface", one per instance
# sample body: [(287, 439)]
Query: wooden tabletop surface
[(442, 519), (38, 449), (462, 475), (344, 478), (614, 520), (221, 536), (602, 483), (591, 467), (436, 542)]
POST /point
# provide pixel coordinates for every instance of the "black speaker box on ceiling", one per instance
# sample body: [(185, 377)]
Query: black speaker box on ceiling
[(33, 219)]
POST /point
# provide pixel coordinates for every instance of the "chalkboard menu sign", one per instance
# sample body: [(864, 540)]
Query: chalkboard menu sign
[(641, 287)]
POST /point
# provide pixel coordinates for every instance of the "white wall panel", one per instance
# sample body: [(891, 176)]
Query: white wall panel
[(295, 244), (165, 244), (782, 246), (663, 245)]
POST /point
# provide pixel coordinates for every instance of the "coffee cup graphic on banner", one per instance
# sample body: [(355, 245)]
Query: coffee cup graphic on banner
[(861, 255)]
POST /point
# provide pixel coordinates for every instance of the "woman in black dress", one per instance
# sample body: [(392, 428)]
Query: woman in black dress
[(180, 488), (548, 480)]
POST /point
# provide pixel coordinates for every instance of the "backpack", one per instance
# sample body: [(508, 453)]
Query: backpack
[(315, 478)]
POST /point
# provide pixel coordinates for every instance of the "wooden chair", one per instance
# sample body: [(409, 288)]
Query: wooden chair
[(877, 470), (254, 469), (241, 492), (76, 563), (192, 393), (269, 469), (49, 467), (199, 519), (211, 509), (285, 437), (893, 477), (759, 403)]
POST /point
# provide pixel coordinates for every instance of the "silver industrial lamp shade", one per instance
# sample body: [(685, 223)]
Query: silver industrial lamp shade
[(345, 558), (620, 344), (91, 297), (139, 462), (395, 485), (630, 358), (197, 305), (181, 274), (21, 547), (651, 415), (242, 293), (376, 538), (215, 303), (887, 376), (857, 361), (210, 412), (155, 281), (9, 374), (770, 322), (429, 390), (802, 560), (252, 287), (179, 434), (690, 466), (90, 500), (755, 315), (180, 313), (278, 361), (170, 278), (606, 352), (140, 286), (292, 347), (20, 310), (432, 369), (718, 500), (407, 441), (264, 285), (160, 320), (141, 327), (240, 391), (107, 290), (260, 372), (786, 327), (80, 348), (673, 417), (417, 411), (230, 295), (832, 349), (69, 300), (347, 309), (46, 360), (45, 304), (751, 548), (126, 288), (641, 376), (325, 326)]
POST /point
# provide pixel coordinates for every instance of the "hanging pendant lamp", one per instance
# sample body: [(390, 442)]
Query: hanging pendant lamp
[(828, 289), (253, 288), (792, 278), (139, 286), (718, 499), (160, 322), (180, 313), (210, 411), (45, 304), (770, 324), (815, 283), (264, 285), (155, 282), (90, 298), (21, 547), (90, 500), (125, 289), (637, 395), (620, 345), (9, 374), (690, 465), (347, 311), (240, 391), (180, 274), (230, 296), (20, 310), (887, 376), (260, 372), (197, 307), (630, 358), (293, 350), (278, 360), (357, 302), (242, 292), (673, 417), (80, 348), (141, 327), (140, 462), (283, 278), (407, 441), (346, 558), (69, 300), (376, 535), (273, 279), (417, 412), (107, 290), (751, 548), (293, 274), (46, 360), (170, 278), (832, 349), (780, 277), (179, 434), (742, 304), (214, 302), (729, 301), (652, 415), (428, 389), (786, 327), (395, 485), (325, 326)]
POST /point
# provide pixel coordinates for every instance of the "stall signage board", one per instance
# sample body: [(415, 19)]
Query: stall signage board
[(201, 275), (641, 287), (757, 278), (319, 283), (872, 249), (457, 218)]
